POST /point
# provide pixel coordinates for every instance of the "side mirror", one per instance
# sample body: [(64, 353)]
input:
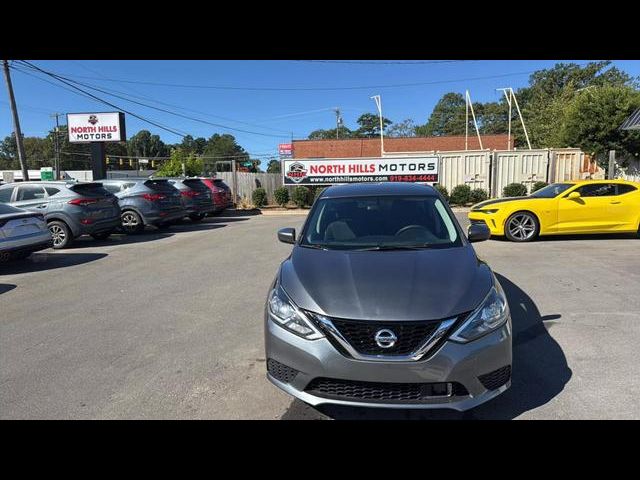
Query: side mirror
[(287, 235), (478, 232), (573, 195)]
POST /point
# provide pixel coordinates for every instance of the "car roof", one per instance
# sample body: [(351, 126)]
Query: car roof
[(584, 182), (378, 189)]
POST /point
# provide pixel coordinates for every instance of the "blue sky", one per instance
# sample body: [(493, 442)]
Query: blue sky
[(276, 114)]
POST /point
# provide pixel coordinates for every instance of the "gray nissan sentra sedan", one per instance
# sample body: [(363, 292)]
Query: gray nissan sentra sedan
[(383, 302)]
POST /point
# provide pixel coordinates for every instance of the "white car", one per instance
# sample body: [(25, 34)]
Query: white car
[(22, 233)]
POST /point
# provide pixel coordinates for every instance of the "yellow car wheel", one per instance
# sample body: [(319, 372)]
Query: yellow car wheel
[(522, 227)]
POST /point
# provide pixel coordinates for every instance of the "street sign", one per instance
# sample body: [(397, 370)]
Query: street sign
[(327, 171), (285, 149), (46, 173)]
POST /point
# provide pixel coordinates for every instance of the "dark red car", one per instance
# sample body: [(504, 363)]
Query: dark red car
[(221, 193)]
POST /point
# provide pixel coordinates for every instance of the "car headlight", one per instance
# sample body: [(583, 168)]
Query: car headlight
[(283, 311), (490, 315)]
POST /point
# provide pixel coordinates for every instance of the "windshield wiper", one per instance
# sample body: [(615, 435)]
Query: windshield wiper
[(311, 245), (394, 247)]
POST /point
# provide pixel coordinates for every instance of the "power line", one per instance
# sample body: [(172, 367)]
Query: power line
[(384, 62), (61, 78), (141, 97), (306, 89), (175, 132)]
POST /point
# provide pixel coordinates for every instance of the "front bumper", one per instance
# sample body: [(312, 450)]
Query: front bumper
[(493, 221), (13, 251), (451, 363)]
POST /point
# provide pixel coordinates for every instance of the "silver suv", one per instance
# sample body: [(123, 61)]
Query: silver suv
[(70, 209), (383, 302), (145, 201)]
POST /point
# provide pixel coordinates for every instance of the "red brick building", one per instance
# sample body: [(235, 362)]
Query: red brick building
[(370, 147)]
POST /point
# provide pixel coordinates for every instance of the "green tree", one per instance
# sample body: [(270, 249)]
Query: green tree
[(593, 118), (273, 166), (405, 128), (447, 118), (223, 148), (370, 125), (330, 134), (173, 167), (144, 144)]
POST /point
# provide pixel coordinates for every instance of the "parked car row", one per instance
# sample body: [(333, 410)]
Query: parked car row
[(43, 214)]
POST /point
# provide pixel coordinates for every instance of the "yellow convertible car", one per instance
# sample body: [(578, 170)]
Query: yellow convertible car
[(585, 206)]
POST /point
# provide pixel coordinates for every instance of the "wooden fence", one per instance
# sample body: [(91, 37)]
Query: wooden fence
[(248, 182)]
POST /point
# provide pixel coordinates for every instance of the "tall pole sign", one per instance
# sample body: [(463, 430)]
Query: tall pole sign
[(97, 129)]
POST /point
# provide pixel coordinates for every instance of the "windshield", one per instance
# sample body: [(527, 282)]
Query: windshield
[(552, 191), (384, 222)]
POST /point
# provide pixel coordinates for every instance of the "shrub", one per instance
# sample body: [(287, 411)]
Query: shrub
[(538, 185), (460, 195), (300, 196), (443, 191), (478, 195), (514, 190), (259, 197), (281, 196)]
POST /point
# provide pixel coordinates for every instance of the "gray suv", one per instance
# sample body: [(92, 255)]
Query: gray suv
[(70, 209), (196, 196), (384, 303), (145, 201)]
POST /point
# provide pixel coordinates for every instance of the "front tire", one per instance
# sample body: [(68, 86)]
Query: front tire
[(60, 233), (131, 222), (522, 227)]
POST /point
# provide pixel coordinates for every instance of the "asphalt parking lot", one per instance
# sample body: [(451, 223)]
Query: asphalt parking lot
[(169, 325)]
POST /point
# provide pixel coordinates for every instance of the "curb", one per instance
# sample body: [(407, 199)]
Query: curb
[(267, 213)]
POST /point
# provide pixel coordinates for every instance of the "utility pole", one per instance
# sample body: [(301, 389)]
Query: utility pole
[(56, 136), (611, 173), (16, 123)]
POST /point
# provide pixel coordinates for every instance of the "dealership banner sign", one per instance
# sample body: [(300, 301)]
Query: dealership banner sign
[(96, 127), (360, 170)]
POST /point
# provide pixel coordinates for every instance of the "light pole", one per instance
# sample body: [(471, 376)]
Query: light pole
[(378, 101)]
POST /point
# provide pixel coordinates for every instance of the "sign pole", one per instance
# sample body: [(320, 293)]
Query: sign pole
[(98, 161)]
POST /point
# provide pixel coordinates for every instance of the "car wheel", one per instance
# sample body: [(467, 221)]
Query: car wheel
[(131, 222), (197, 217), (522, 227), (102, 235), (60, 233)]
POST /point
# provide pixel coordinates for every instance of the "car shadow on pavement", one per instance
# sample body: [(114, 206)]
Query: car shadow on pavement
[(224, 219), (585, 236), (540, 372), (48, 260), (6, 287), (118, 238)]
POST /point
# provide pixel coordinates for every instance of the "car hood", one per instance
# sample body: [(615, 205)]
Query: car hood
[(386, 285), (486, 203)]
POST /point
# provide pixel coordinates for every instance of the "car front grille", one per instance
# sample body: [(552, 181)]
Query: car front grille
[(361, 335), (382, 392), (496, 379), (280, 371)]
